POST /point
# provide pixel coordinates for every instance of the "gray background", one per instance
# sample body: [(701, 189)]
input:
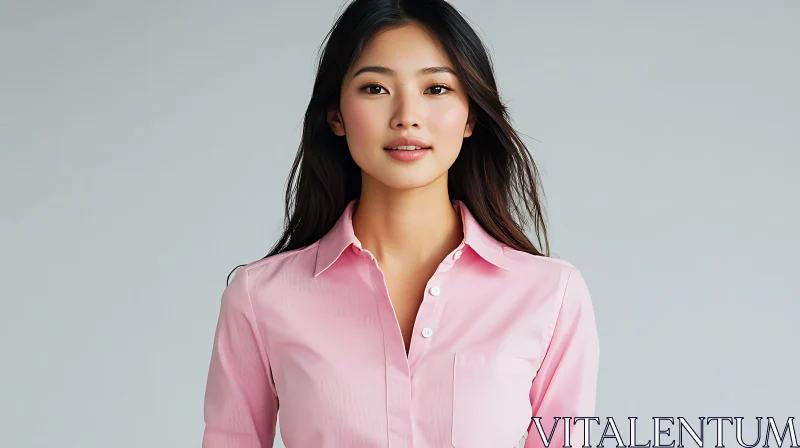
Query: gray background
[(145, 146)]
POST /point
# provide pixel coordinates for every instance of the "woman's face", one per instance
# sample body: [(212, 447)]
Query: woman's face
[(403, 85)]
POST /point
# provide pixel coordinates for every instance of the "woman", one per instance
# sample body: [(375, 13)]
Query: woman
[(404, 306)]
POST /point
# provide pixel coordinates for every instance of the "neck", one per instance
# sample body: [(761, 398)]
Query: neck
[(409, 227)]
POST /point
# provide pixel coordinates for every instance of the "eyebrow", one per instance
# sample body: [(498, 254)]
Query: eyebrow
[(388, 71)]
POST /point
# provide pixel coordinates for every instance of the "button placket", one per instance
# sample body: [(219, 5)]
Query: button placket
[(434, 290)]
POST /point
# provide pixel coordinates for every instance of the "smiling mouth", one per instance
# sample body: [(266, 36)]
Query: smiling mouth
[(406, 148)]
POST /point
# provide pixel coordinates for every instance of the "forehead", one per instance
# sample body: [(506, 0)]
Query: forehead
[(405, 48)]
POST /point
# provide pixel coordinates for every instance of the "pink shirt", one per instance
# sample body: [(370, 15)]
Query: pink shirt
[(501, 336)]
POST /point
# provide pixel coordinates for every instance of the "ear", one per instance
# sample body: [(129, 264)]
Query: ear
[(335, 122), (470, 125)]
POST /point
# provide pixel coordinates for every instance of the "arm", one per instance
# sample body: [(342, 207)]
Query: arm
[(241, 405), (566, 383)]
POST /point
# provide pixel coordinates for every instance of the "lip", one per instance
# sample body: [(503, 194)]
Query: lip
[(407, 141)]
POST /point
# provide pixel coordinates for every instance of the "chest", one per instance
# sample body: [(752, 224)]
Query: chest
[(339, 363)]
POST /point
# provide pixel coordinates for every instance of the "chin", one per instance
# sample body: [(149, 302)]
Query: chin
[(408, 181)]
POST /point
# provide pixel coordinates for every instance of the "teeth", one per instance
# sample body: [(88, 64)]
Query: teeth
[(406, 148)]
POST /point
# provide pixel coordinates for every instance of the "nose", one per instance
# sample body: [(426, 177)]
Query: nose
[(407, 112)]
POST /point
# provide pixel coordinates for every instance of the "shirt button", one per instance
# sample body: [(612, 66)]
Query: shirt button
[(427, 332), (435, 291), (457, 255)]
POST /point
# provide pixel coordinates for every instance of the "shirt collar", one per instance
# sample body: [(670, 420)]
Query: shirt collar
[(342, 236)]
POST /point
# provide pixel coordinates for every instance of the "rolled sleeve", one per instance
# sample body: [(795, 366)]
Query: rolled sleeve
[(240, 405), (566, 383)]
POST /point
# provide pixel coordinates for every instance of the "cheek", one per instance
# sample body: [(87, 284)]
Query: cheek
[(362, 123), (448, 120)]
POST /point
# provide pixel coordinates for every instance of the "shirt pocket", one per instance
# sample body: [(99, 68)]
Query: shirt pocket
[(491, 399)]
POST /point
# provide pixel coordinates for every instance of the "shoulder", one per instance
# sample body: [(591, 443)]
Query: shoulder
[(564, 276), (527, 262), (296, 261)]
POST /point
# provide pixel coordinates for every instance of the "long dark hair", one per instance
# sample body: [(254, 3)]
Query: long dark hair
[(494, 174)]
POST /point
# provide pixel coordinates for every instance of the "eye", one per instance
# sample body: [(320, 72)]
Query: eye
[(438, 89), (372, 89)]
